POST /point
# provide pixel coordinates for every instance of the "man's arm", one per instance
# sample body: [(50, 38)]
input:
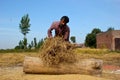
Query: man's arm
[(67, 34), (50, 30)]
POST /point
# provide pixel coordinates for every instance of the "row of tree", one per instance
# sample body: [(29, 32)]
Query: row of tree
[(24, 27), (23, 44)]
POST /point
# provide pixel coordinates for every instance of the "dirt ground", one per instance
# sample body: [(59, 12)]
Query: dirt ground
[(16, 73), (11, 68)]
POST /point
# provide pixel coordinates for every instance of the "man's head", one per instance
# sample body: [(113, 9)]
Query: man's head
[(64, 20)]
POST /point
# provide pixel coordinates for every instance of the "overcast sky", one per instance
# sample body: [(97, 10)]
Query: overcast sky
[(85, 15)]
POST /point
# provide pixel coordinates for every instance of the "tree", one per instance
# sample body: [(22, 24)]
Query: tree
[(32, 44), (110, 29), (90, 40), (25, 43), (35, 43), (29, 46), (40, 43), (73, 39), (24, 27), (95, 31), (21, 45)]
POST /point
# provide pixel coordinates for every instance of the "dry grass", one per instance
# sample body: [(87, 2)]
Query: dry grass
[(55, 51), (13, 59), (91, 51), (107, 56), (10, 59)]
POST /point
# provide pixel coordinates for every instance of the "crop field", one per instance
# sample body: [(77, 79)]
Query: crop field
[(11, 66)]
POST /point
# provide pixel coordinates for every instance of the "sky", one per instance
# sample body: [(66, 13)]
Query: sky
[(84, 15)]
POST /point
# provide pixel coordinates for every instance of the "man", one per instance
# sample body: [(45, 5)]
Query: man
[(61, 28)]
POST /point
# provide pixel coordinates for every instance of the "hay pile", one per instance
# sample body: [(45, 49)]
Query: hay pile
[(56, 51)]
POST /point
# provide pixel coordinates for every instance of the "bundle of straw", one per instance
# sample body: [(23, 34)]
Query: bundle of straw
[(55, 51)]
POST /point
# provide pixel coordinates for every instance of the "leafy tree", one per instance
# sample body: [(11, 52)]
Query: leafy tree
[(90, 40), (25, 43), (21, 45), (40, 43), (35, 43), (24, 27), (95, 31), (29, 46), (110, 29), (73, 39), (32, 44), (17, 47)]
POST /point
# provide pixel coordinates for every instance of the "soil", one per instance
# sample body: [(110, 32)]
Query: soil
[(16, 73)]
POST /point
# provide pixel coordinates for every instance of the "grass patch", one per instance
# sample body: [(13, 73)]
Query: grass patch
[(95, 51), (109, 57), (17, 50), (12, 59)]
